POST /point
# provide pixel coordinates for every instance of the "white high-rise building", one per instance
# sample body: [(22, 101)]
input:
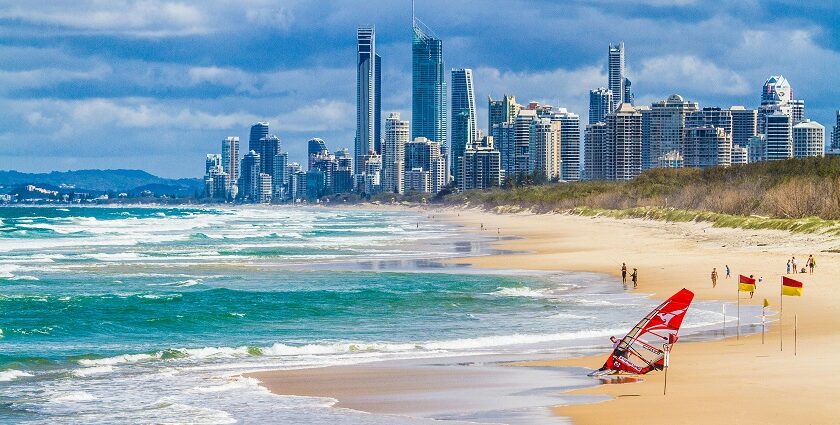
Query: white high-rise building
[(616, 74), (740, 155), (544, 149), (230, 164), (778, 136), (522, 136), (624, 130), (393, 153), (569, 144), (808, 139), (426, 155)]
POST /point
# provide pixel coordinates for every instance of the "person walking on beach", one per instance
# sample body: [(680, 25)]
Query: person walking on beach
[(811, 263), (753, 291), (728, 272), (635, 278), (714, 277), (788, 266), (794, 264), (623, 273)]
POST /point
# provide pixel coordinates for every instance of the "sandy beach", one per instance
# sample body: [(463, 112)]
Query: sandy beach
[(724, 381)]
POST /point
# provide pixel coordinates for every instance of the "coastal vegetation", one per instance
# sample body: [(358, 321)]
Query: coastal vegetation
[(799, 194)]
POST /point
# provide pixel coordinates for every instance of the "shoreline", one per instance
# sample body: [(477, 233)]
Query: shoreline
[(670, 256)]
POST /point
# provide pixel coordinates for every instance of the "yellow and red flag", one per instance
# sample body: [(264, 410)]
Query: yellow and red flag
[(746, 284), (791, 287)]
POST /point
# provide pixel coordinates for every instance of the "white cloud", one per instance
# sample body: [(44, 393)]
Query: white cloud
[(44, 77), (686, 73)]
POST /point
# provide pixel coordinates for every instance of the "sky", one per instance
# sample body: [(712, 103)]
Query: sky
[(157, 84)]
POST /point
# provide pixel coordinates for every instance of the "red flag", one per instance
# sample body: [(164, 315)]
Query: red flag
[(747, 280)]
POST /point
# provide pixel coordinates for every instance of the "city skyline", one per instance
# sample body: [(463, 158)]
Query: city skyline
[(158, 94)]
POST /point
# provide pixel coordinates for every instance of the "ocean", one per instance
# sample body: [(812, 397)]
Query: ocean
[(153, 315)]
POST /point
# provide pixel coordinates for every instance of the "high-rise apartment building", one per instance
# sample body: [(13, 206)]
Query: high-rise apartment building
[(616, 74), (744, 125), (258, 131), (628, 91), (428, 86), (371, 181), (522, 135), (269, 147), (597, 151), (368, 93), (504, 138), (212, 163), (481, 167), (797, 110), (600, 102), (463, 116), (663, 128), (393, 153), (757, 148), (778, 135), (624, 131), (249, 181), (714, 117), (425, 155), (500, 111), (569, 144), (776, 94), (315, 147), (343, 180), (544, 149), (264, 188), (707, 146), (280, 176), (230, 164), (808, 139), (740, 155), (835, 137)]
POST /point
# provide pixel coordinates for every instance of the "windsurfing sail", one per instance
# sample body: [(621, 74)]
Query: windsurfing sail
[(641, 350)]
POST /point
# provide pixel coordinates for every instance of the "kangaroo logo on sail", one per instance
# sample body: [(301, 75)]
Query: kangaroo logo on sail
[(666, 317)]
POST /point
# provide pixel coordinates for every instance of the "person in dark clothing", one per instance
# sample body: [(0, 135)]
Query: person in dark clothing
[(623, 273), (635, 278)]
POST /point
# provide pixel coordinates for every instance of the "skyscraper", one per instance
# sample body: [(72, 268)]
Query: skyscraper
[(481, 166), (249, 181), (797, 110), (597, 152), (600, 104), (628, 91), (269, 147), (569, 144), (428, 86), (522, 134), (715, 117), (425, 155), (464, 120), (368, 93), (835, 142), (316, 147), (744, 125), (776, 95), (212, 163), (778, 136), (624, 131), (258, 131), (707, 146), (808, 139), (393, 153), (230, 163), (500, 111), (544, 149), (616, 74), (663, 133), (504, 138)]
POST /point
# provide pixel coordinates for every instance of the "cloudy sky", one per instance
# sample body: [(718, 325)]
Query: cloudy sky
[(156, 84)]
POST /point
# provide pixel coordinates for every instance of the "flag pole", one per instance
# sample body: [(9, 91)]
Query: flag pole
[(781, 310), (762, 324), (738, 323), (667, 348)]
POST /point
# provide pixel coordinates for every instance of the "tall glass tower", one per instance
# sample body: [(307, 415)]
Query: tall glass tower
[(428, 86), (464, 122), (258, 131), (616, 74), (368, 94)]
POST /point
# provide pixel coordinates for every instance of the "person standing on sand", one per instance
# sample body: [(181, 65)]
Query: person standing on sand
[(753, 291), (714, 277), (794, 264), (623, 273), (728, 273), (788, 266), (811, 263), (635, 278)]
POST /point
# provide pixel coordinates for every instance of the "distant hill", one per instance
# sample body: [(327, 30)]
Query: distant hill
[(100, 180)]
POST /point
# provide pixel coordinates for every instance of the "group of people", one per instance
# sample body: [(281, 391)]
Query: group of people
[(715, 275), (793, 265), (634, 277)]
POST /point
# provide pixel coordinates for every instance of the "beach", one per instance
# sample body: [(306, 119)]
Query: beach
[(717, 381)]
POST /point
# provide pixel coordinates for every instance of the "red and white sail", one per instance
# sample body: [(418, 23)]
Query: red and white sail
[(641, 350)]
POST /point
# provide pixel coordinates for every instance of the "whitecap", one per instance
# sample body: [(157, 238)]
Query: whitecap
[(521, 291), (73, 396), (95, 370), (12, 374)]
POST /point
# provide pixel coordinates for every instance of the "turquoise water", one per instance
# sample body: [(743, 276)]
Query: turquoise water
[(149, 315)]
